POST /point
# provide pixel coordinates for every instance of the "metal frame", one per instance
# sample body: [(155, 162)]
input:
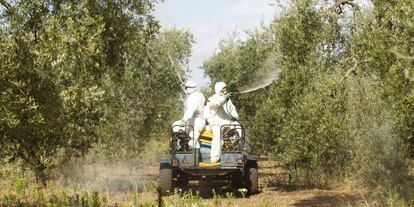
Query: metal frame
[(173, 140), (237, 127), (242, 141)]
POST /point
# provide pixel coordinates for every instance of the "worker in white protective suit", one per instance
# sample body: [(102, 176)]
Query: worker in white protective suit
[(193, 112), (221, 112)]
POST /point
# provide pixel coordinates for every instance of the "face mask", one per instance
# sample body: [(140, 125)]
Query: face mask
[(189, 89)]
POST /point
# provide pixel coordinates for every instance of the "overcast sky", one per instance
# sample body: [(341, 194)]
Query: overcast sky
[(212, 20)]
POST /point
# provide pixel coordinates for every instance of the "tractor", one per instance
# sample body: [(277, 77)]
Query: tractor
[(184, 163)]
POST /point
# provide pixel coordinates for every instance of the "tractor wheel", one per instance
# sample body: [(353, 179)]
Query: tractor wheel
[(166, 182), (182, 181), (236, 180), (252, 178)]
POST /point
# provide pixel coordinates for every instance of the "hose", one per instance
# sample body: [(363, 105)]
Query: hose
[(228, 111)]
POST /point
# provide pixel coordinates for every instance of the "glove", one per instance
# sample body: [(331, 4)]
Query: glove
[(182, 123), (228, 96)]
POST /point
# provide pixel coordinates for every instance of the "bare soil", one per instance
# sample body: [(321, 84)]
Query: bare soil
[(274, 193), (306, 198)]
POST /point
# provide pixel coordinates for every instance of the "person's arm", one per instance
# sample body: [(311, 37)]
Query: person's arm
[(216, 101), (191, 107)]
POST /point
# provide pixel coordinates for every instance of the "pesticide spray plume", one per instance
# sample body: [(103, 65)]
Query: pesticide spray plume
[(177, 73), (264, 76), (260, 85)]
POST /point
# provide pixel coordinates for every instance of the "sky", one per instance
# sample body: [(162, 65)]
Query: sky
[(210, 21)]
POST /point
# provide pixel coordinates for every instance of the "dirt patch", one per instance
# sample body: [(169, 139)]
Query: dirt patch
[(331, 198), (305, 198)]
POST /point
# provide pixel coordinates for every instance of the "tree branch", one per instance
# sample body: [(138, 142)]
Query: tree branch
[(5, 4), (343, 2), (339, 3)]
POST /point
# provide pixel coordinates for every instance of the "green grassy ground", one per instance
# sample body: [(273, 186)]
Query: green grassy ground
[(95, 181)]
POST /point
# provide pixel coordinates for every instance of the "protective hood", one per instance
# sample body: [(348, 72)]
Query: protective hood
[(190, 87), (219, 86)]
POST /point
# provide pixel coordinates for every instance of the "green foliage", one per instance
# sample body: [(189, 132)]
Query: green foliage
[(388, 56), (313, 137), (52, 199), (49, 101), (240, 64), (343, 103), (144, 103), (76, 73)]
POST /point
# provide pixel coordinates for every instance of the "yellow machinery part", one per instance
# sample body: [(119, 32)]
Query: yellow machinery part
[(208, 135), (205, 141), (208, 164)]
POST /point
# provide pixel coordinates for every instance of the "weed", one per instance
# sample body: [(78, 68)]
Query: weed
[(159, 200), (216, 198), (230, 198)]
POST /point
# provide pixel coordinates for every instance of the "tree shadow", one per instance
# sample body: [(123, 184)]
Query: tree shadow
[(287, 187), (339, 199), (275, 182)]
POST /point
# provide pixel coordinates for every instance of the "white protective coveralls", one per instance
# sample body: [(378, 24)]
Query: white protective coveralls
[(193, 111), (219, 115)]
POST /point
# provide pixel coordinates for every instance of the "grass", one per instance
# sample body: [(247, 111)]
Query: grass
[(34, 196), (99, 182), (95, 181)]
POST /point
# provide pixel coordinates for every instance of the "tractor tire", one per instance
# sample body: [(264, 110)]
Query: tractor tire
[(182, 181), (252, 178), (236, 180), (166, 182)]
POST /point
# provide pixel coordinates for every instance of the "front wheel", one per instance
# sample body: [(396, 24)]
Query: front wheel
[(166, 178)]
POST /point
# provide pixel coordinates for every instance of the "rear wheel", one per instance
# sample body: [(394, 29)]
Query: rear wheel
[(166, 178), (252, 177), (182, 180), (236, 180)]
